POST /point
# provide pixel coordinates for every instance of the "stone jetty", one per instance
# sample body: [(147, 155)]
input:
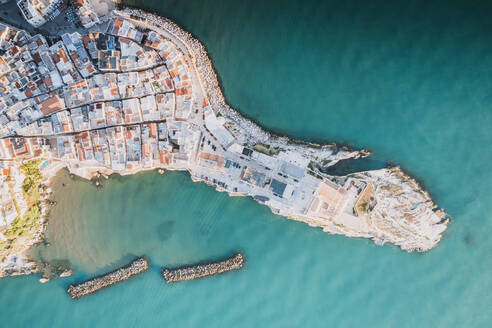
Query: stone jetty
[(90, 286), (202, 270)]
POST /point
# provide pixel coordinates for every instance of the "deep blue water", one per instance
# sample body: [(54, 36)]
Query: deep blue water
[(411, 81)]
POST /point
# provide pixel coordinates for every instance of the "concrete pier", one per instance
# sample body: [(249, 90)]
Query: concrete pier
[(202, 270), (90, 286)]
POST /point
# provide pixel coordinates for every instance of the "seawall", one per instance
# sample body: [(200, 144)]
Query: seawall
[(246, 130)]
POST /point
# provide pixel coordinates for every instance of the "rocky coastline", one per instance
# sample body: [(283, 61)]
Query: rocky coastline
[(90, 286), (380, 227), (246, 130), (19, 262), (196, 271), (251, 134)]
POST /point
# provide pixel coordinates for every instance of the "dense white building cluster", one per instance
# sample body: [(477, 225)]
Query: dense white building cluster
[(38, 12), (86, 13), (137, 92), (56, 95)]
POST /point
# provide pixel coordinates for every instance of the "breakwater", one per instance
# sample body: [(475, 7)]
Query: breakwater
[(90, 286), (202, 270)]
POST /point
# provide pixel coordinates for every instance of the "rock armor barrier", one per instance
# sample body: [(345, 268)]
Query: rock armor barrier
[(90, 286), (202, 270), (245, 130)]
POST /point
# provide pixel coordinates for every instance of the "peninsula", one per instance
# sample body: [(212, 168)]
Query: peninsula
[(128, 91)]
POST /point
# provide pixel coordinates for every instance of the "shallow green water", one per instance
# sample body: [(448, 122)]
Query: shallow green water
[(409, 80)]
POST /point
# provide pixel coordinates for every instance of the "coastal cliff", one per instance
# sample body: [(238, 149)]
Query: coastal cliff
[(30, 206)]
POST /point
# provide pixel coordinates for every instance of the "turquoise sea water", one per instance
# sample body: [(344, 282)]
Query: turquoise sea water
[(411, 81)]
